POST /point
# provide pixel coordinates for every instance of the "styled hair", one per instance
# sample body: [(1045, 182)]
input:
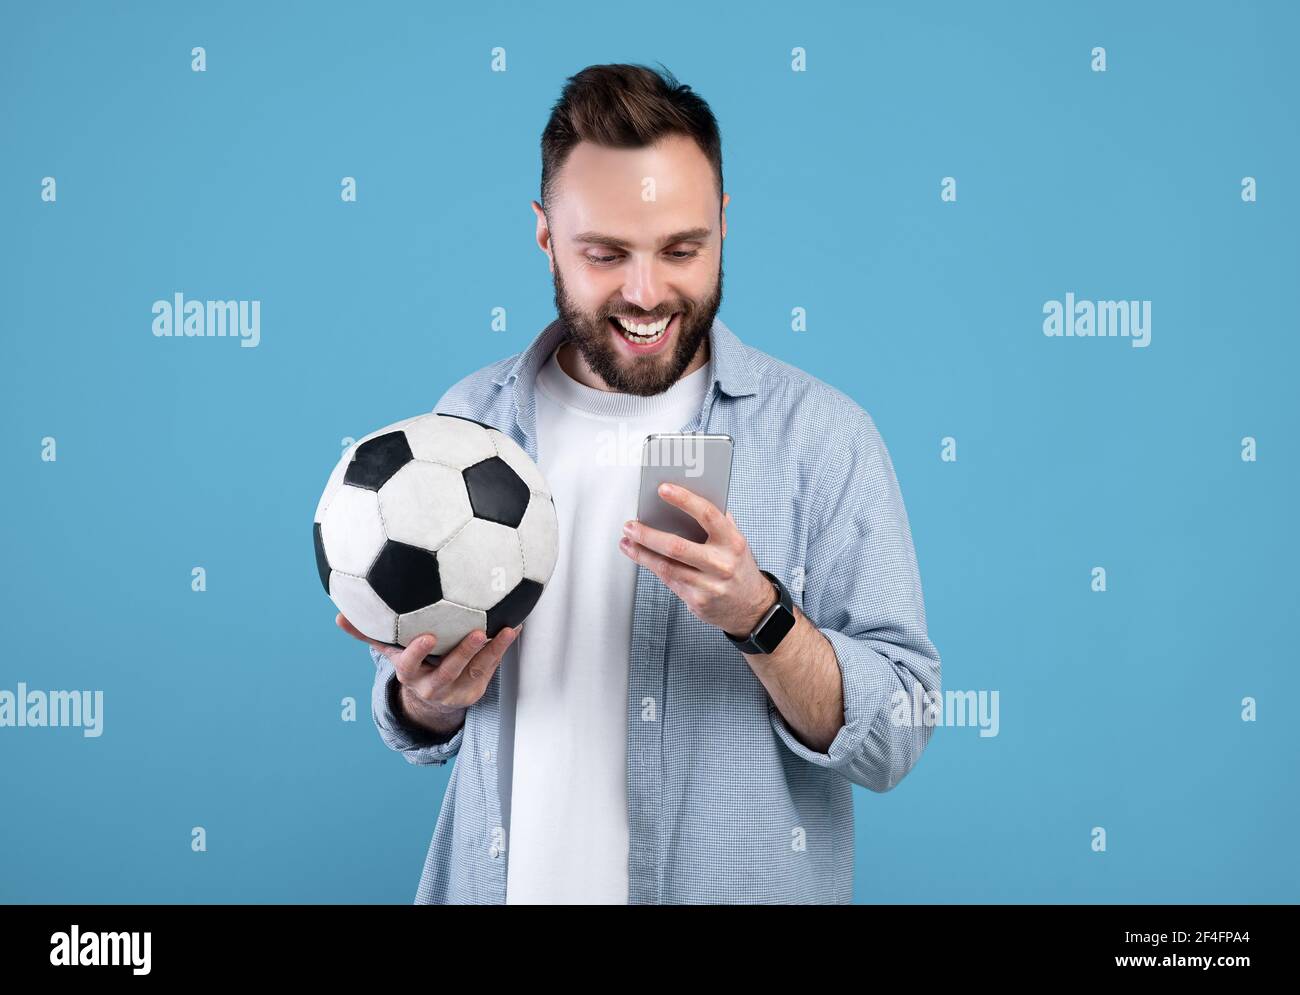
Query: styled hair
[(625, 107)]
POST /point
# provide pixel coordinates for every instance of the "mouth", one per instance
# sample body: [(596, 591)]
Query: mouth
[(643, 339)]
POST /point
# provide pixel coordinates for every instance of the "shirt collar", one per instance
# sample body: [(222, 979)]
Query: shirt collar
[(732, 370)]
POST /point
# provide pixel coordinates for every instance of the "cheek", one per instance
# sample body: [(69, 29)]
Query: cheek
[(699, 284), (592, 290)]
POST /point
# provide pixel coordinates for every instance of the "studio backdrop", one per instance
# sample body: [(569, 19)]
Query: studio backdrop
[(1051, 251)]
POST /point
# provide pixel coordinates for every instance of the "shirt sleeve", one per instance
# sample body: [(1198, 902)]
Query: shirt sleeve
[(418, 745), (862, 589)]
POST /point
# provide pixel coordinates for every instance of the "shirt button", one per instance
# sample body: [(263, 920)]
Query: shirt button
[(487, 756), (495, 851)]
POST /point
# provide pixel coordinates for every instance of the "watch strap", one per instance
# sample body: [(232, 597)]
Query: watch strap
[(754, 642)]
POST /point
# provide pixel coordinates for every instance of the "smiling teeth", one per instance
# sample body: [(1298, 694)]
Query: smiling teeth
[(643, 334)]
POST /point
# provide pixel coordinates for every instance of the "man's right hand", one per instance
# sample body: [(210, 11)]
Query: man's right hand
[(437, 691)]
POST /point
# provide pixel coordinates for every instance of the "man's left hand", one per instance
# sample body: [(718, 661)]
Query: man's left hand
[(718, 579)]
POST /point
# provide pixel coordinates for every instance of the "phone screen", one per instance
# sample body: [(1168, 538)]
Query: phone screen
[(697, 461)]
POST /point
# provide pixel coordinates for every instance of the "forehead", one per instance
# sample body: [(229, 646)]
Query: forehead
[(601, 189)]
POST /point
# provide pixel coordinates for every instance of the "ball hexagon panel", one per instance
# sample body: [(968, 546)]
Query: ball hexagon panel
[(365, 609), (480, 565), (352, 531), (519, 461), (377, 459), (496, 492), (449, 622), (539, 536), (424, 504), (448, 440), (514, 607), (406, 577), (341, 468)]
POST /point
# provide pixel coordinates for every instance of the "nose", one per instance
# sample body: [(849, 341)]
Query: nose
[(645, 286)]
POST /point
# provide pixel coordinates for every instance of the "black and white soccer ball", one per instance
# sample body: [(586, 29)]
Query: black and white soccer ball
[(435, 524)]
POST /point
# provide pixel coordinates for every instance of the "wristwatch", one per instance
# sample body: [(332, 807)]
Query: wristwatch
[(772, 627)]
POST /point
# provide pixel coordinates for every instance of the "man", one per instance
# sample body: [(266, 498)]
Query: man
[(641, 742)]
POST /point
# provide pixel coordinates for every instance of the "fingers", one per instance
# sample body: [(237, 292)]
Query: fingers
[(694, 554), (477, 674), (461, 676), (411, 666), (700, 508), (457, 679)]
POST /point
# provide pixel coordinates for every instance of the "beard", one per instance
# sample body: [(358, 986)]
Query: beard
[(644, 376)]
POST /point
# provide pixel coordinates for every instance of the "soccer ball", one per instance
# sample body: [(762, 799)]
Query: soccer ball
[(435, 524)]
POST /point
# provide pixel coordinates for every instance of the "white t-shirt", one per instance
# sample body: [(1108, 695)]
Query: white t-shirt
[(566, 820)]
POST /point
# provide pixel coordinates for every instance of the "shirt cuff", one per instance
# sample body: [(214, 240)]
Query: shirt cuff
[(419, 746), (869, 749)]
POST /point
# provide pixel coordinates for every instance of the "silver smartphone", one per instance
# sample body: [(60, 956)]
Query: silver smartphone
[(697, 461)]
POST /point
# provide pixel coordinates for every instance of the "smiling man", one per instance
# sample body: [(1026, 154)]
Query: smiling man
[(676, 721), (643, 298)]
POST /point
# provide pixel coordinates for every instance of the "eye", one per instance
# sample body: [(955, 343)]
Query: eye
[(677, 255)]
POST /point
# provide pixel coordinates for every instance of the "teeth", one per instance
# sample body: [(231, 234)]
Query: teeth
[(643, 333)]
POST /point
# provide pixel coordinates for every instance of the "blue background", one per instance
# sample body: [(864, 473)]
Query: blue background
[(222, 709)]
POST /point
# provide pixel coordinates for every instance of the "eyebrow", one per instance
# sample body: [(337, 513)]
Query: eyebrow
[(689, 235)]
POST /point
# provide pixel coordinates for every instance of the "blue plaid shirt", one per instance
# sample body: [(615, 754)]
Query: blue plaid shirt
[(725, 804)]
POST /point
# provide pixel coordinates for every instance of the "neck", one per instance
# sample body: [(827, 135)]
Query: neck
[(575, 365)]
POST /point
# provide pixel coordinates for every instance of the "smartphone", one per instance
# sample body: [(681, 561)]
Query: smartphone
[(697, 461)]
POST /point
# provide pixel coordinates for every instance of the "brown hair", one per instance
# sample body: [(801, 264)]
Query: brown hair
[(626, 107)]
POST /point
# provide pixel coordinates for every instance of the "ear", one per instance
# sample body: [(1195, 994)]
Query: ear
[(544, 234)]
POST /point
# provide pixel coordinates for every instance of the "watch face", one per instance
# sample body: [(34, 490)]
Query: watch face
[(777, 626)]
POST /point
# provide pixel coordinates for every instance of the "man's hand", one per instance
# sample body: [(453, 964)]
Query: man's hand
[(437, 691), (720, 583), (718, 579)]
